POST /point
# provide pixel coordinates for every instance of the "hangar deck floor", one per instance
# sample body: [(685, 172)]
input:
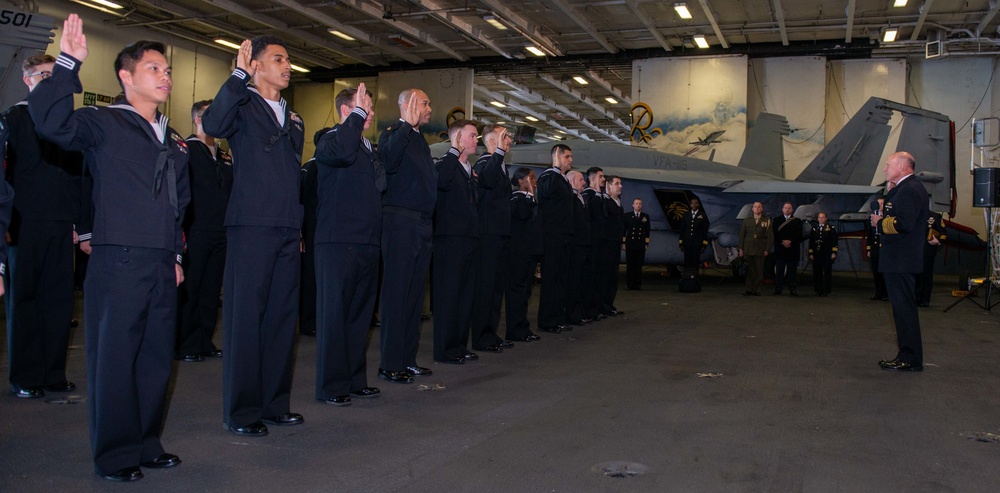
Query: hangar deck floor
[(800, 405)]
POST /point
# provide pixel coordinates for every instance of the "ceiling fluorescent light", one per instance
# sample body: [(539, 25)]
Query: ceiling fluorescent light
[(890, 35), (300, 69), (340, 34), (534, 51), (106, 3), (699, 39), (495, 22), (498, 104), (531, 119), (899, 3), (682, 10), (611, 100), (580, 80), (227, 44)]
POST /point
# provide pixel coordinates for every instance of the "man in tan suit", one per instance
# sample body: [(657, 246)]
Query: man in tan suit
[(756, 237)]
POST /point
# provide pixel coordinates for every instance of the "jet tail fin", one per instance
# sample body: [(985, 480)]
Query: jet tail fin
[(930, 138), (765, 150), (853, 155)]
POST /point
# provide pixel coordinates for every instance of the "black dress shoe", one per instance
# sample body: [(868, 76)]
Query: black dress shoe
[(458, 360), (554, 330), (578, 322), (586, 320), (489, 349), (27, 392), (395, 376), (64, 386), (213, 354), (74, 323), (505, 344), (792, 292), (366, 393), (414, 371), (470, 356), (900, 365), (340, 400), (924, 304), (601, 316), (565, 328), (286, 419), (255, 429), (162, 462), (748, 293), (124, 475), (191, 358), (309, 333), (527, 338)]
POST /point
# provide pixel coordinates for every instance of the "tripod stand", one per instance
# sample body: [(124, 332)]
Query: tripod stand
[(992, 263)]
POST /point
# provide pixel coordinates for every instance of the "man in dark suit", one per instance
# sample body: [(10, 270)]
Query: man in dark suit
[(407, 207), (904, 233), (456, 238), (347, 238), (555, 208), (787, 241), (694, 234), (494, 190), (935, 235), (636, 243)]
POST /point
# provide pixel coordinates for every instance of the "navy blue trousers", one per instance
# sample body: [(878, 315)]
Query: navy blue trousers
[(130, 321), (259, 309)]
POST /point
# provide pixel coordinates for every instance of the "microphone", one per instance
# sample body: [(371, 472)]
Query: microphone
[(875, 208)]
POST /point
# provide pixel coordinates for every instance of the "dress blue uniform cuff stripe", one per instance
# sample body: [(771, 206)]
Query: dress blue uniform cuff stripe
[(85, 236), (242, 74), (179, 259), (360, 112), (66, 61), (501, 152)]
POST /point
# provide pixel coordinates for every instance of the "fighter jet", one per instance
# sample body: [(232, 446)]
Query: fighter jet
[(837, 181), (710, 139)]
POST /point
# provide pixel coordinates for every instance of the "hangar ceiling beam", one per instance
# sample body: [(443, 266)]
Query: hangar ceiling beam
[(994, 7), (633, 5), (441, 12), (531, 31), (524, 109), (779, 14), (850, 20), (596, 77), (269, 21), (924, 9), (354, 32), (585, 24), (375, 10), (235, 32), (561, 109), (584, 99), (715, 24)]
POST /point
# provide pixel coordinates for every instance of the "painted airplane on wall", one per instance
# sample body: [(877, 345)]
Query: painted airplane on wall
[(837, 181)]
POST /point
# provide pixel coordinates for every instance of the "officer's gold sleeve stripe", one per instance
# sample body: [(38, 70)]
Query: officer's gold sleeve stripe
[(889, 226)]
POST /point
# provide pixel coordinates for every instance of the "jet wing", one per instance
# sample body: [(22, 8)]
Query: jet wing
[(786, 187)]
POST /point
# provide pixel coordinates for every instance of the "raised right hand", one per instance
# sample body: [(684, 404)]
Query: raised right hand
[(73, 42), (245, 56)]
